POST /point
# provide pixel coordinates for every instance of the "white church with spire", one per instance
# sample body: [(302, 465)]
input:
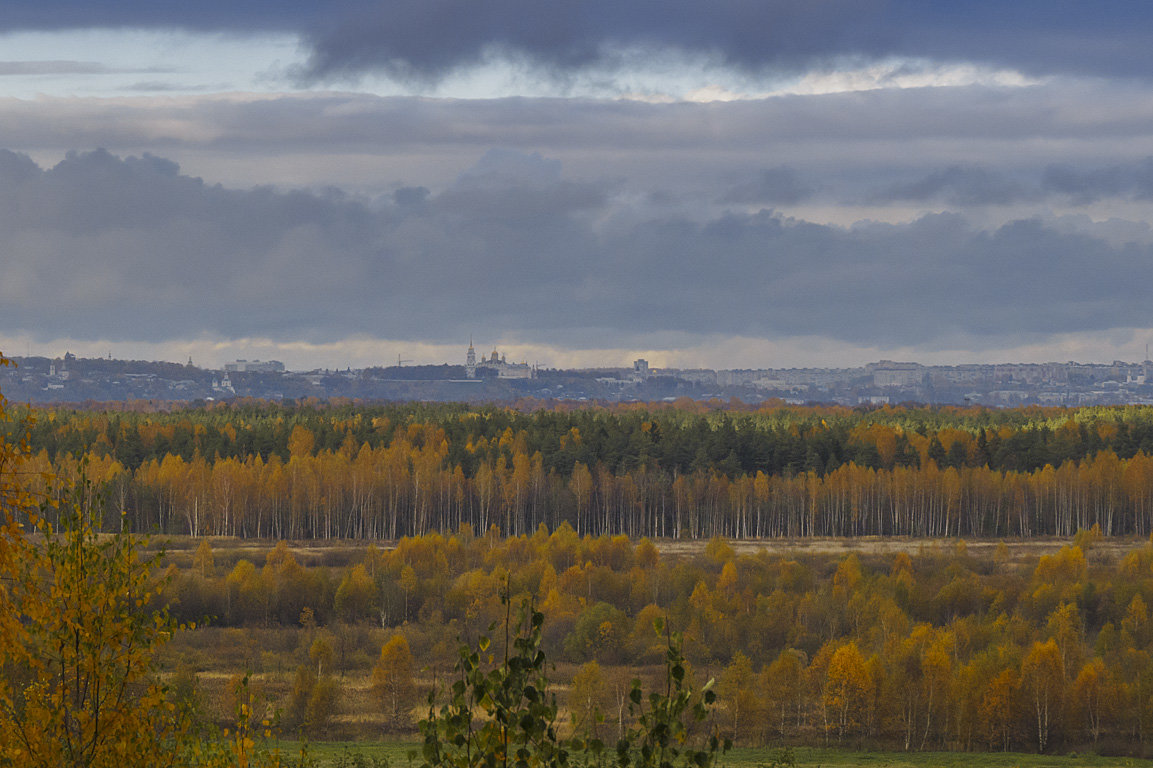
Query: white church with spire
[(470, 361), (498, 363)]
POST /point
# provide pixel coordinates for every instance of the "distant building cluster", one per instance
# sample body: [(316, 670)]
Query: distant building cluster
[(254, 366), (493, 378), (889, 374)]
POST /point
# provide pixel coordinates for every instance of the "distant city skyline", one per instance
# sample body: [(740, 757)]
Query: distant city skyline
[(727, 184), (492, 378), (584, 360)]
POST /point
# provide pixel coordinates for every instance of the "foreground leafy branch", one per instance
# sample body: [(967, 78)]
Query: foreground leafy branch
[(661, 737), (503, 715)]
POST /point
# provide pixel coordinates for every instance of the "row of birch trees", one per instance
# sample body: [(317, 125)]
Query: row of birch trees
[(409, 487)]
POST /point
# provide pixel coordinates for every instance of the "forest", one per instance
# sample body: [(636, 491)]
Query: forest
[(936, 648), (613, 522), (681, 470)]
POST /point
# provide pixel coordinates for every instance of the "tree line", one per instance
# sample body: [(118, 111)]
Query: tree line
[(692, 471), (677, 437)]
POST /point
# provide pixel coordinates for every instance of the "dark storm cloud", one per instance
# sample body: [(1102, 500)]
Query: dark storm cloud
[(424, 39), (133, 249), (215, 15)]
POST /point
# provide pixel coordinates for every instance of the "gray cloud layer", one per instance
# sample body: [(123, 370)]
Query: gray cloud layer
[(1069, 145), (899, 137), (974, 186), (56, 67), (131, 249), (425, 39)]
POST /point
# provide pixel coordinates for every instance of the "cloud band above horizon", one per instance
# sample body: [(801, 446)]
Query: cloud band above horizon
[(131, 249)]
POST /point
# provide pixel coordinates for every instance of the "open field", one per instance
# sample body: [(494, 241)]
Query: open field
[(763, 757), (1017, 549), (335, 553)]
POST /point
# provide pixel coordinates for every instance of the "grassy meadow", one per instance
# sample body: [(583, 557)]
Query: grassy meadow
[(397, 754)]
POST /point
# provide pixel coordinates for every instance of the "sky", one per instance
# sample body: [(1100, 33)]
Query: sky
[(783, 183)]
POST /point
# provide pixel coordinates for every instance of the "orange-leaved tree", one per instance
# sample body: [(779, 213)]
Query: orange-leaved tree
[(393, 685), (78, 685)]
